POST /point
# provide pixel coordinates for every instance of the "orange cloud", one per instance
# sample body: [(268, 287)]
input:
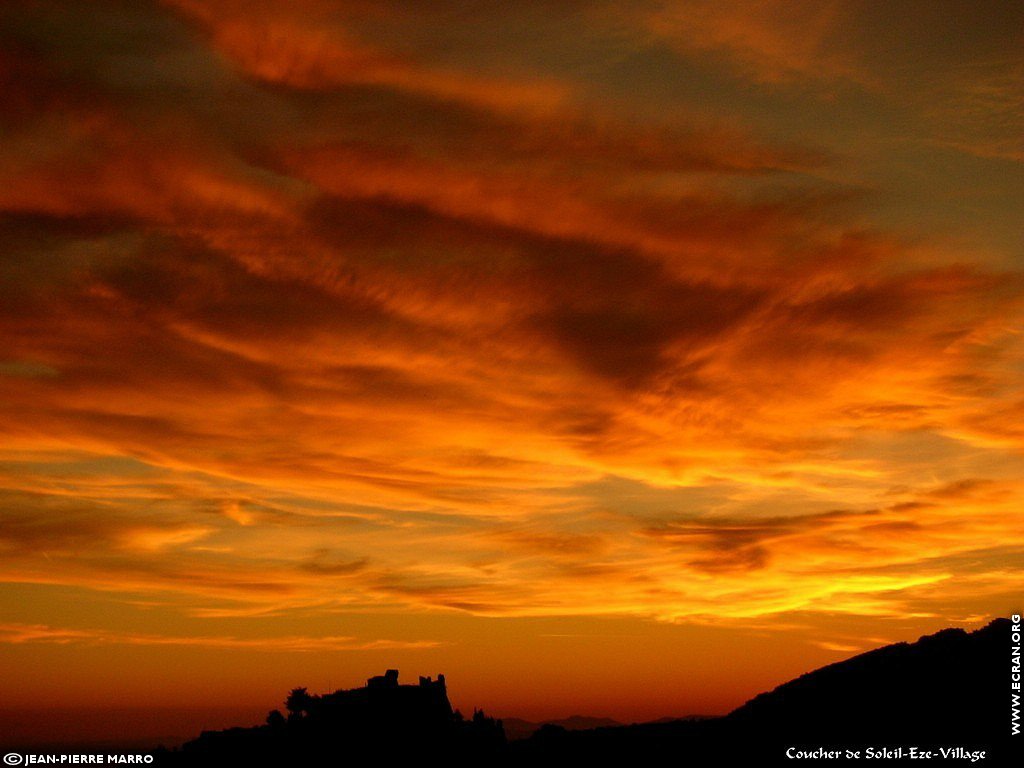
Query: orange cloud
[(378, 334), (771, 41), (316, 50), (39, 633)]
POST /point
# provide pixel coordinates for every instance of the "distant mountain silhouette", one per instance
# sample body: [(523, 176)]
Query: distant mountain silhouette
[(687, 719), (947, 691), (516, 729)]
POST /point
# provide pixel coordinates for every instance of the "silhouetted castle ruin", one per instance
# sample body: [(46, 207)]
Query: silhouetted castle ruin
[(382, 701), (383, 717)]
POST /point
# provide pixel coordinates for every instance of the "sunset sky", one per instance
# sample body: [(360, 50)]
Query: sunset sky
[(624, 358)]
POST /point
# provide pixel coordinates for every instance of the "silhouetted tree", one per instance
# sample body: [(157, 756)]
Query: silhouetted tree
[(275, 719), (298, 703)]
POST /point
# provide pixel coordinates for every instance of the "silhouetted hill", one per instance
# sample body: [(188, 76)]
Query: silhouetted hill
[(949, 690), (950, 683), (948, 693)]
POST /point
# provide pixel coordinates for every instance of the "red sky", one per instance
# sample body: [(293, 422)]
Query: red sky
[(614, 358)]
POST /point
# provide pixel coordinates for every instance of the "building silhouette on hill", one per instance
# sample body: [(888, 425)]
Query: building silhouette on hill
[(382, 702), (384, 718)]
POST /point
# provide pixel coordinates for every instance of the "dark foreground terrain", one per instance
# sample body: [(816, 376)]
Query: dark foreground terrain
[(948, 694)]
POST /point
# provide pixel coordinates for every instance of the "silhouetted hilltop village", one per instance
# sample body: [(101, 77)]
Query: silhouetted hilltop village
[(381, 701), (950, 690), (383, 718)]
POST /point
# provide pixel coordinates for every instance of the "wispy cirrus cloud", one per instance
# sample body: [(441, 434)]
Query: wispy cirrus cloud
[(40, 633), (298, 317)]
